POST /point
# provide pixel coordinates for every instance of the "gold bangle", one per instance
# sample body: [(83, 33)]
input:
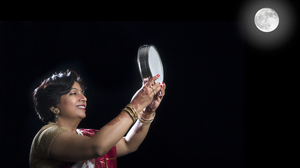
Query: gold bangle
[(130, 113), (133, 110)]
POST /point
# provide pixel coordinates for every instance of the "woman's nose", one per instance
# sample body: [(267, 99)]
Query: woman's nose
[(83, 98)]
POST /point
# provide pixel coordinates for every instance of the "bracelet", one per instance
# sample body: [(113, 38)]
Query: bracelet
[(132, 112), (146, 121)]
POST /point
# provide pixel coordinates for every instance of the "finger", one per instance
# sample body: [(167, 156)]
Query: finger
[(145, 80), (160, 86), (163, 89), (156, 88), (154, 78), (157, 96), (163, 85), (160, 96)]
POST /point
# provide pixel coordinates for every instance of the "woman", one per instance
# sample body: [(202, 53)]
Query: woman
[(60, 102)]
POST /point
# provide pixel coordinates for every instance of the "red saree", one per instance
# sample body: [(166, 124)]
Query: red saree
[(109, 160)]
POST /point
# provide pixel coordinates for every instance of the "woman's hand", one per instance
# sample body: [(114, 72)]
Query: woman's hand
[(156, 100), (146, 94)]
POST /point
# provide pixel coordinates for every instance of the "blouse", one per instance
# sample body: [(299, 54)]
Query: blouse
[(39, 152)]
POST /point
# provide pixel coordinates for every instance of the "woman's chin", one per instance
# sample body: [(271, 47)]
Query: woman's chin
[(82, 115)]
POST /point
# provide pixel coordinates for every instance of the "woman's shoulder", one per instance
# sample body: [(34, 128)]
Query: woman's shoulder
[(51, 128), (42, 141), (48, 132)]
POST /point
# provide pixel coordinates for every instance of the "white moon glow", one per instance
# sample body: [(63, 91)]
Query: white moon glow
[(266, 19)]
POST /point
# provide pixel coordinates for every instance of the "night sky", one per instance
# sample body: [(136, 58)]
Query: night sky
[(220, 99)]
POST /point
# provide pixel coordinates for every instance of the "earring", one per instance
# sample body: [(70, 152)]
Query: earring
[(56, 116)]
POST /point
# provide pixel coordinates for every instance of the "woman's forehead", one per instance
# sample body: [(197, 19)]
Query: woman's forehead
[(76, 86)]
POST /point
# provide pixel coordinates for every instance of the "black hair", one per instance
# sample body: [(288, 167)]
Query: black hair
[(48, 94)]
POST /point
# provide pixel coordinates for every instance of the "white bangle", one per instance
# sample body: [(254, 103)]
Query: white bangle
[(146, 121)]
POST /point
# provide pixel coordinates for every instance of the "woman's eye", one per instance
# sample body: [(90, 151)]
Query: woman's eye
[(74, 93)]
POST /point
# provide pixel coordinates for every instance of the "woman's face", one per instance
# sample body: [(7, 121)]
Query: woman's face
[(73, 104)]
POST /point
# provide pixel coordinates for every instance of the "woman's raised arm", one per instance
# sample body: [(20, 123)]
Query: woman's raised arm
[(68, 146)]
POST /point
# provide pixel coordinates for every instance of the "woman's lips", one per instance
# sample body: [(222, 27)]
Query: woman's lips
[(81, 107)]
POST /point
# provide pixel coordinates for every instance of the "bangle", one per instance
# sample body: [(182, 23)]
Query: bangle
[(131, 111), (146, 121)]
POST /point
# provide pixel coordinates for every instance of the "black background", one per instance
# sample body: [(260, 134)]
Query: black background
[(222, 99)]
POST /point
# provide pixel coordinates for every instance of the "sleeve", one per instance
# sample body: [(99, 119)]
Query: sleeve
[(45, 139)]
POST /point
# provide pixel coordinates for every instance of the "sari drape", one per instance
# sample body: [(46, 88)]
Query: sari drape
[(109, 160)]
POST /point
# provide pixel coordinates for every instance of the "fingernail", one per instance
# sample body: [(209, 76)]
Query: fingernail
[(162, 84), (158, 75)]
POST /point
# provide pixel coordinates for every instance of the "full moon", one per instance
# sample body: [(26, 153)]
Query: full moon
[(266, 19)]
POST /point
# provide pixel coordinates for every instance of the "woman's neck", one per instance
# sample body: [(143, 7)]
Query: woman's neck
[(71, 125)]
